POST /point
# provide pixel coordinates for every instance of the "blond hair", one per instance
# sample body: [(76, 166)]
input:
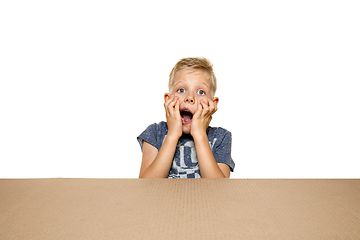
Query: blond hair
[(193, 64)]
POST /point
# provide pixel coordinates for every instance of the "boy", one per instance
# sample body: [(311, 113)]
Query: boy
[(185, 146)]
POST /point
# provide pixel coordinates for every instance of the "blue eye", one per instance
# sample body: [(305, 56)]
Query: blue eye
[(201, 92), (181, 90)]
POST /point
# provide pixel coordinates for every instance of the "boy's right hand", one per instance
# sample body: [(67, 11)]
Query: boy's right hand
[(173, 116)]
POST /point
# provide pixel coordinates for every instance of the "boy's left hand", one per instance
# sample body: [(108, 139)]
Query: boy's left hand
[(202, 117)]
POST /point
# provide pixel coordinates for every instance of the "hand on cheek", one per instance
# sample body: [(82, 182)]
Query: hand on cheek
[(202, 117), (173, 117)]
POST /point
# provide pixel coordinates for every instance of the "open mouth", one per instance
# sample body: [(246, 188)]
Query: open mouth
[(186, 116)]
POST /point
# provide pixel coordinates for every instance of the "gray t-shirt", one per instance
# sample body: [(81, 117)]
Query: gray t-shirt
[(185, 162)]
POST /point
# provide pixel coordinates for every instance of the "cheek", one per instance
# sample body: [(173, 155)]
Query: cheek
[(181, 97), (199, 97)]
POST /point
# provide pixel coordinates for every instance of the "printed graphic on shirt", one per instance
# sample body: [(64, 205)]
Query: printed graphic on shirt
[(185, 162)]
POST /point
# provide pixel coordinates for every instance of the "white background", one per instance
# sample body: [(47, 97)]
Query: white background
[(80, 80)]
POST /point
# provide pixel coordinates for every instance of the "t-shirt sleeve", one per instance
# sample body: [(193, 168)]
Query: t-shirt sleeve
[(150, 135), (222, 152)]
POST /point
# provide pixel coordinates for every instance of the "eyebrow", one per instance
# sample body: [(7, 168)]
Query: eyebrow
[(200, 83), (178, 83), (206, 85)]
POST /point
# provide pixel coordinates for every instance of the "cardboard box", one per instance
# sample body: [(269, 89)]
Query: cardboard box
[(179, 209)]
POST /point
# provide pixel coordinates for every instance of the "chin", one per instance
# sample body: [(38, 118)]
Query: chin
[(186, 129)]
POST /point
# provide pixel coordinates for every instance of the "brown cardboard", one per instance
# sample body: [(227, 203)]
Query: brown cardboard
[(179, 209)]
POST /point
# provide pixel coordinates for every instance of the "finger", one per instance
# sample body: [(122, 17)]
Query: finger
[(177, 105), (173, 102), (172, 106), (167, 100), (205, 106), (198, 110), (169, 103), (213, 107)]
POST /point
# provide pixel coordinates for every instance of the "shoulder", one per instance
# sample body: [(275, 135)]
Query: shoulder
[(154, 134), (219, 137), (157, 127), (218, 132)]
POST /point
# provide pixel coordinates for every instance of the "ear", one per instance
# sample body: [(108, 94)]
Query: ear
[(166, 96), (216, 100)]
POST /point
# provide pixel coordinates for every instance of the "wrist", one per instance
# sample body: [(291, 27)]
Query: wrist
[(199, 135), (172, 137)]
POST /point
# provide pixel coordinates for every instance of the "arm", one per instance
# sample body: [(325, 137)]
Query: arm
[(157, 164), (209, 168)]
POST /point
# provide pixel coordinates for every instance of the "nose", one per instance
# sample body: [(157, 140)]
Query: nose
[(190, 99)]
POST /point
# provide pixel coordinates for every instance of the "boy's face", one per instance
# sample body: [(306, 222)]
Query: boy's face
[(191, 87)]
